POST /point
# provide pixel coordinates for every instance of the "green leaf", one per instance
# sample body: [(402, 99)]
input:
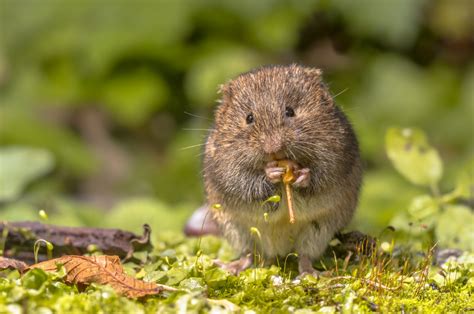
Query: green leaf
[(175, 276), (132, 97), (422, 207), (455, 228), (19, 166), (34, 279), (216, 277), (465, 183), (412, 156), (193, 284), (464, 189)]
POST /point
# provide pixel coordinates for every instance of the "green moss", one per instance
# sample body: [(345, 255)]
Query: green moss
[(380, 282)]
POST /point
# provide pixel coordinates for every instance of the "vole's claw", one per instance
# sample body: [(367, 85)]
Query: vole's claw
[(303, 178), (273, 172)]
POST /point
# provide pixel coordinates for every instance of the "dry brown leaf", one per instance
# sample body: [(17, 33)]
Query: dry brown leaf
[(12, 264), (102, 269)]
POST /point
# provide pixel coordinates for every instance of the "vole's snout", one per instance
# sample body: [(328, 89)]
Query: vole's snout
[(273, 147)]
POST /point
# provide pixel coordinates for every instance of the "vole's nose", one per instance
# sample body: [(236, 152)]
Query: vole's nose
[(273, 146)]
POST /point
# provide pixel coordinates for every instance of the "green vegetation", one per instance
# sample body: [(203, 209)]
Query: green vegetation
[(104, 105), (446, 219), (389, 281)]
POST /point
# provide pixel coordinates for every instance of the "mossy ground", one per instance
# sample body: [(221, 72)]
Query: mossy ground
[(384, 281)]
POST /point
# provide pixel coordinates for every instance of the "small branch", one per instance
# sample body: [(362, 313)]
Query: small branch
[(22, 236)]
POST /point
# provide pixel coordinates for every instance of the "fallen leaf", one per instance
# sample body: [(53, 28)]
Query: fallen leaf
[(12, 264), (102, 269)]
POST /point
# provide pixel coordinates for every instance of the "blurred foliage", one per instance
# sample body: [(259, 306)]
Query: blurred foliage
[(121, 94), (15, 175), (448, 217), (412, 156)]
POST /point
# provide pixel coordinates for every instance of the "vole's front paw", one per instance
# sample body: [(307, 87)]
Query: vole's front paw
[(273, 172), (303, 178)]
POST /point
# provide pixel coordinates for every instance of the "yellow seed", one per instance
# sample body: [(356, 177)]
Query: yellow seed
[(255, 231), (273, 199), (43, 214)]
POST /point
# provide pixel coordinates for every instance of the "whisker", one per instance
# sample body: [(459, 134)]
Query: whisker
[(292, 154), (199, 155), (207, 130), (341, 92), (192, 146), (196, 116)]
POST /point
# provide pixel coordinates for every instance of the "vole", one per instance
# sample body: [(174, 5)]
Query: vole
[(267, 115)]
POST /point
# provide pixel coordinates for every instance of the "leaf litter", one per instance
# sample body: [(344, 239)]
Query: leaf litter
[(101, 269)]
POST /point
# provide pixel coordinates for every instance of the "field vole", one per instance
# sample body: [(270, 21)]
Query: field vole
[(267, 115)]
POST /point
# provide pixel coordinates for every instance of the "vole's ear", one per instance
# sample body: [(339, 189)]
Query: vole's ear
[(225, 90), (316, 74), (221, 89)]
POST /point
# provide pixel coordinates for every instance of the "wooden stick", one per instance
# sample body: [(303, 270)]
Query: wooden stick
[(288, 178), (289, 200)]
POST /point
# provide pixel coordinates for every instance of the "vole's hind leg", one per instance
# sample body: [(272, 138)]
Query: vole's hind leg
[(305, 266), (273, 172), (311, 244), (237, 266)]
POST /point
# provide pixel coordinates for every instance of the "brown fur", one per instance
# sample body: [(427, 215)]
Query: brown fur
[(318, 137)]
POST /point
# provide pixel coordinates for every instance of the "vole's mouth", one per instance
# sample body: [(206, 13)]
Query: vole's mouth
[(280, 155)]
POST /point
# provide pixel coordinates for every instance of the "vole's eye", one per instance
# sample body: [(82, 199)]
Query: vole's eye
[(289, 112), (249, 118)]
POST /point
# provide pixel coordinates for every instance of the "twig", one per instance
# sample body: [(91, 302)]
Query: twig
[(70, 240)]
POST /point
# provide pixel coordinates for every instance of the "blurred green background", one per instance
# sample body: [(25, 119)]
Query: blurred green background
[(99, 99)]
